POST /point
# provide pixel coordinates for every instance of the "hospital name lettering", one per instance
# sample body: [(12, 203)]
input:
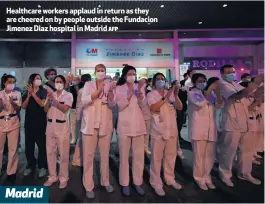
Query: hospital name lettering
[(216, 63), (125, 54), (13, 193)]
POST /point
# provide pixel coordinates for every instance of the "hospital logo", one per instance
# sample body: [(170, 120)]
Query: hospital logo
[(159, 52), (24, 194), (92, 52)]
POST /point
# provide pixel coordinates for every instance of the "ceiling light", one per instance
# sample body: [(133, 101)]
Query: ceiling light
[(162, 6), (184, 33), (97, 33), (149, 23), (140, 34), (99, 6), (53, 33), (39, 6), (200, 22), (225, 5)]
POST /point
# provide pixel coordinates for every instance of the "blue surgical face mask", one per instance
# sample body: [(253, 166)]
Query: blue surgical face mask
[(160, 84), (230, 77), (201, 86), (52, 77), (74, 83)]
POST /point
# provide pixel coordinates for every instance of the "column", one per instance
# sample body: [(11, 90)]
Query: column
[(73, 53), (176, 55)]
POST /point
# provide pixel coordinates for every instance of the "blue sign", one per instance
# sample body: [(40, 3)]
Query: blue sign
[(92, 51), (124, 52), (24, 194)]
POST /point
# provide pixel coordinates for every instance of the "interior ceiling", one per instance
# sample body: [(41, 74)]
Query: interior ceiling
[(174, 14)]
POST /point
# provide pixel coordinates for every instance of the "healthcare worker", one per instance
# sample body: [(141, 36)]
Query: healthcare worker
[(202, 100), (164, 133), (131, 129), (96, 129), (73, 89), (235, 127), (253, 120), (50, 75), (58, 132), (10, 105), (188, 82), (78, 154), (35, 125), (147, 117)]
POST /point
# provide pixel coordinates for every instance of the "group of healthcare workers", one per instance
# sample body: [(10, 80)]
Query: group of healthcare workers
[(83, 109)]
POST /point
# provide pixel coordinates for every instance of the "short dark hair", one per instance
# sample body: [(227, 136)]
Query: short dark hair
[(4, 78), (244, 83), (222, 69), (189, 71), (154, 78), (210, 81), (245, 75), (184, 75), (47, 71), (62, 77), (84, 79), (125, 70), (196, 76), (149, 80)]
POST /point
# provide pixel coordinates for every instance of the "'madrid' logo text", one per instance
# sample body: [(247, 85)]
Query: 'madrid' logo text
[(13, 193)]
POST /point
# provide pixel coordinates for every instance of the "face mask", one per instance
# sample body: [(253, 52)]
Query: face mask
[(52, 77), (201, 86), (130, 79), (10, 87), (74, 83), (37, 82), (59, 86), (160, 84), (100, 75), (230, 77)]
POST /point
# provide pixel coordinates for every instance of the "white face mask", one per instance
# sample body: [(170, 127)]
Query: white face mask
[(100, 75), (10, 87), (59, 86), (37, 82), (130, 79)]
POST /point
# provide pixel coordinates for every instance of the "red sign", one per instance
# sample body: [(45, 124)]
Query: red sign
[(159, 50)]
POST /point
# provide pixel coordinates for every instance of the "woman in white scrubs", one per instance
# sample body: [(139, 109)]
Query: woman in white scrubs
[(147, 117), (78, 154), (58, 105), (10, 105), (164, 133), (131, 129), (96, 129), (202, 127)]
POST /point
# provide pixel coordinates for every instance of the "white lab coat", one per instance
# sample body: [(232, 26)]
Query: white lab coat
[(9, 129), (97, 129), (203, 133), (163, 139), (234, 132), (58, 136), (131, 130), (78, 154)]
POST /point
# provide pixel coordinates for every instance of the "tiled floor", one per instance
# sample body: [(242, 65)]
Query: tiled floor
[(242, 192)]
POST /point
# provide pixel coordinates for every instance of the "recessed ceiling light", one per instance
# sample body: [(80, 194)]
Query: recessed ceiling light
[(97, 33), (162, 6), (184, 33), (11, 33), (149, 23), (200, 22), (140, 34), (225, 5), (99, 6), (39, 6), (54, 33)]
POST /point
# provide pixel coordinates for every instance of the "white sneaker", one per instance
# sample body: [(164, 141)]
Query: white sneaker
[(210, 185), (250, 179), (50, 181), (63, 185), (42, 172), (228, 182), (176, 186), (159, 191), (27, 172), (202, 185), (147, 152), (73, 141)]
